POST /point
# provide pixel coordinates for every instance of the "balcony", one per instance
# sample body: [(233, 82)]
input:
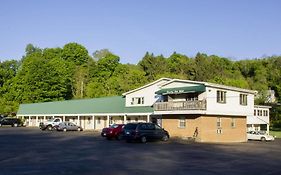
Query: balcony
[(180, 105)]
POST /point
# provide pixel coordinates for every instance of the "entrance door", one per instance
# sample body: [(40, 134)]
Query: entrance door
[(157, 121), (99, 122), (87, 122)]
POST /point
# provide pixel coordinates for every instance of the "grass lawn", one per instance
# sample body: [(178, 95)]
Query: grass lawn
[(275, 133)]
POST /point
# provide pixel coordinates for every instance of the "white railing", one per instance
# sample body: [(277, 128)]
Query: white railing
[(180, 105)]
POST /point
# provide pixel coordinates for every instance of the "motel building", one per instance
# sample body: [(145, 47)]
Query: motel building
[(259, 121), (203, 111)]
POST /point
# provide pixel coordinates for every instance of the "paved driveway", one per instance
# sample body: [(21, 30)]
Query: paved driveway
[(33, 152)]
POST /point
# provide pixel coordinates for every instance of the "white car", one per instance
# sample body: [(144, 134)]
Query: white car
[(258, 135)]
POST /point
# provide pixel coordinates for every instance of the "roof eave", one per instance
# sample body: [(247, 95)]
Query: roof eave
[(134, 90)]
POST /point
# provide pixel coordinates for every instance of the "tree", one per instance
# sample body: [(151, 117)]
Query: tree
[(75, 53), (153, 66), (8, 70), (30, 49), (40, 79), (99, 54), (181, 65), (106, 66)]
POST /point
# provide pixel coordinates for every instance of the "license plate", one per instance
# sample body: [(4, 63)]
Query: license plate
[(127, 133)]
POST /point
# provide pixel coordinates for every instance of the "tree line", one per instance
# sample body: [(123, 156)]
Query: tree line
[(70, 72)]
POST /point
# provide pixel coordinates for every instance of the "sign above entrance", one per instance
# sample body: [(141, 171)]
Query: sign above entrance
[(182, 90)]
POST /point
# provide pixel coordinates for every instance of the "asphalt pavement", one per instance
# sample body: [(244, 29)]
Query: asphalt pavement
[(30, 151)]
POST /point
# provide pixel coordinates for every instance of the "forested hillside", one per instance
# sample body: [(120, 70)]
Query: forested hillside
[(71, 72)]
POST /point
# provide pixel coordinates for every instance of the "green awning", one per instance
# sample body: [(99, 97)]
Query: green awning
[(182, 90)]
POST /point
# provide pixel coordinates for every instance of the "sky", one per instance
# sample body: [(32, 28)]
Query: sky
[(236, 29)]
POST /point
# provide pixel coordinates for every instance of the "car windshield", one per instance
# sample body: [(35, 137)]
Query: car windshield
[(130, 126), (113, 126)]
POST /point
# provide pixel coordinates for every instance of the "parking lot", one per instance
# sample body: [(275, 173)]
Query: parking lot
[(32, 151)]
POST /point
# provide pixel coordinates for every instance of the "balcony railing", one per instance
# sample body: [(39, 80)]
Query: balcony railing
[(180, 105)]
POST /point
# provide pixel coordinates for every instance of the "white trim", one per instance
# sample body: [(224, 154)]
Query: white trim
[(147, 85), (261, 106), (95, 114), (212, 85)]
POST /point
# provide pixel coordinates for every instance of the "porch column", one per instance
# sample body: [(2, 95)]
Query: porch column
[(93, 122), (107, 121), (147, 118), (125, 119), (63, 118), (36, 120), (78, 122), (44, 118)]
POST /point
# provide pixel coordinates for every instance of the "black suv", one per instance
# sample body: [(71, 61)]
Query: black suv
[(144, 132), (14, 122)]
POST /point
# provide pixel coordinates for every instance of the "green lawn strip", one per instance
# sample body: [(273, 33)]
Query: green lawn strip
[(275, 133)]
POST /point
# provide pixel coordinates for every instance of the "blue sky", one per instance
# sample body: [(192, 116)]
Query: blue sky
[(237, 29)]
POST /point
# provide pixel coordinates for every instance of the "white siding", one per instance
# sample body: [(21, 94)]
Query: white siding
[(179, 84), (259, 119), (232, 105), (148, 93)]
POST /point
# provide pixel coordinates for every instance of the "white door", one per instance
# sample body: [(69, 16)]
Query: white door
[(99, 122)]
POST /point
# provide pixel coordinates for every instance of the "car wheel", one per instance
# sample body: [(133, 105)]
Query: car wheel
[(78, 129), (143, 139), (263, 139), (165, 138), (64, 129), (50, 128)]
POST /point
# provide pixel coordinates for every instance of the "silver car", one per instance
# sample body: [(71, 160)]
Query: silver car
[(68, 126), (259, 135)]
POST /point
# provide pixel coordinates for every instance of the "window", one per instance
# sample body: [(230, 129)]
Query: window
[(218, 122), (233, 122), (219, 131), (98, 122), (255, 112), (265, 113), (221, 96), (137, 100), (182, 123), (243, 99)]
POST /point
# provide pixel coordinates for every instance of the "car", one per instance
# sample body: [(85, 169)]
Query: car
[(113, 131), (259, 135), (68, 126), (14, 122), (144, 132), (50, 124)]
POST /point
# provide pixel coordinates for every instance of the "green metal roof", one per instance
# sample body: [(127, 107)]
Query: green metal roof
[(182, 90), (84, 106)]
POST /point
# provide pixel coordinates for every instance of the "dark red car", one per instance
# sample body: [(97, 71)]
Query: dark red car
[(114, 131)]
